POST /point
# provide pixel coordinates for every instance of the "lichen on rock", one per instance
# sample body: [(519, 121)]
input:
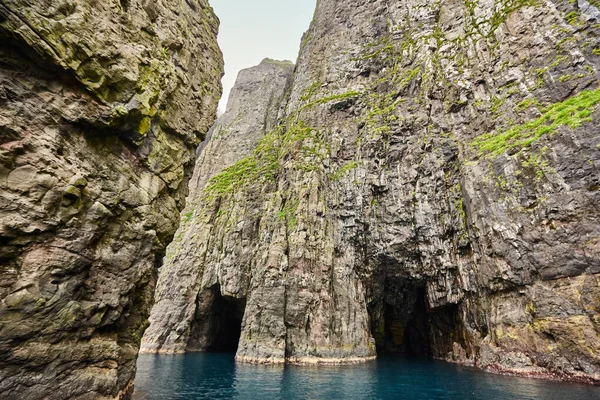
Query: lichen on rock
[(102, 105)]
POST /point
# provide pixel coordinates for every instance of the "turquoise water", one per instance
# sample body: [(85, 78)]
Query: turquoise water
[(216, 376)]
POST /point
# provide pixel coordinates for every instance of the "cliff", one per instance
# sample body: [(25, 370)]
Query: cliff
[(102, 105), (432, 188), (187, 313)]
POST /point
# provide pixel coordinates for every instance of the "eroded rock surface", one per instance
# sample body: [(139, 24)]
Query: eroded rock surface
[(189, 284), (102, 105), (432, 188)]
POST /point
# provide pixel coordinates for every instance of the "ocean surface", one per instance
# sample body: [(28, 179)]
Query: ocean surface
[(217, 376)]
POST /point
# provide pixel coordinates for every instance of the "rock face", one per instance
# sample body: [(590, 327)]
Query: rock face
[(102, 105), (189, 312), (432, 188)]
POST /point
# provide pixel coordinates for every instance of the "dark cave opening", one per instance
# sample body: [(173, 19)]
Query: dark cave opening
[(226, 324), (217, 325), (415, 340), (401, 322)]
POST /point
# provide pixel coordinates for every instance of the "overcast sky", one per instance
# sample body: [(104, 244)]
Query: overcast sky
[(252, 30)]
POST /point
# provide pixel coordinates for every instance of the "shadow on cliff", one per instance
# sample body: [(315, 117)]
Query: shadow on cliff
[(217, 325), (401, 323)]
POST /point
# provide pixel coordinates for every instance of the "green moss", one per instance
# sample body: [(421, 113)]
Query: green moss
[(187, 217), (540, 73), (571, 18), (284, 63), (268, 151), (120, 111), (310, 91), (564, 78), (381, 108), (119, 114), (73, 191), (459, 209), (527, 104), (289, 213), (505, 8), (497, 102), (296, 132), (145, 125), (233, 177), (572, 113), (563, 41), (40, 303), (538, 163), (344, 169), (557, 61), (457, 205), (530, 308), (150, 86), (164, 53), (263, 165), (328, 99), (590, 69), (383, 48), (80, 182), (408, 77)]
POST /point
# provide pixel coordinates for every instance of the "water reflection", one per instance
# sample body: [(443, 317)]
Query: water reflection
[(345, 382), (252, 380), (216, 376)]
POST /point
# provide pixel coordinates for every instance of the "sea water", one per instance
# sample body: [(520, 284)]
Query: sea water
[(217, 376)]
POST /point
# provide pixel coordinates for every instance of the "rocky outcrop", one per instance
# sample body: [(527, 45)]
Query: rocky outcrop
[(189, 312), (102, 105), (432, 188)]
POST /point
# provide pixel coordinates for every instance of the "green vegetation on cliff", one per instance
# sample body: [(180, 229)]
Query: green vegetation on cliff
[(572, 112), (233, 177), (263, 165)]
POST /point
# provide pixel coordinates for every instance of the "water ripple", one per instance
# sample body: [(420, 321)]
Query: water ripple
[(216, 376)]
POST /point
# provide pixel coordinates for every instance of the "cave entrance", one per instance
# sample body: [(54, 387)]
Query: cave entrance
[(217, 324), (401, 322)]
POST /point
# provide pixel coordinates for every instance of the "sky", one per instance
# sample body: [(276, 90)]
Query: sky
[(252, 30)]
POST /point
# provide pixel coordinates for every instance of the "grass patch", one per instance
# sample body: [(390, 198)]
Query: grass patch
[(527, 104), (187, 217), (233, 177), (572, 113), (288, 214), (263, 165), (344, 169), (571, 18), (336, 97)]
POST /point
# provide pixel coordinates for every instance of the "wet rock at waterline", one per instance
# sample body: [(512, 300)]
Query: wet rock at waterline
[(430, 188), (102, 106)]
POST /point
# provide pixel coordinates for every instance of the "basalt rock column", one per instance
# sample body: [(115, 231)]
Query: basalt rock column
[(102, 105), (206, 266)]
